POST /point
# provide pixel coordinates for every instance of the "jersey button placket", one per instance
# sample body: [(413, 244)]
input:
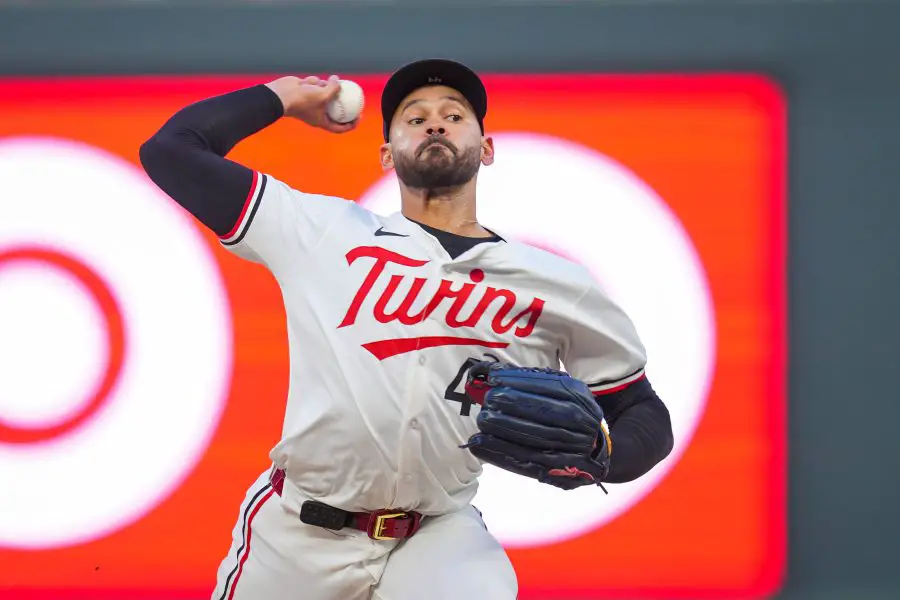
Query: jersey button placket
[(411, 435)]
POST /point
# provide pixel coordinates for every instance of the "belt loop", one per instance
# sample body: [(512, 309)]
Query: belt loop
[(276, 478)]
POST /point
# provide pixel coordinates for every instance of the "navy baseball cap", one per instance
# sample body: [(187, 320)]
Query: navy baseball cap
[(432, 71)]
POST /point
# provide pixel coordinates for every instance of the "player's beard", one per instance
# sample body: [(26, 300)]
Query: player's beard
[(433, 168)]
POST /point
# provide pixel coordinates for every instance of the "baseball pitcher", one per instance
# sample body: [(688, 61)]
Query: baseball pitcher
[(423, 345)]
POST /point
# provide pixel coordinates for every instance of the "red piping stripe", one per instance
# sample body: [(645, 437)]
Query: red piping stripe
[(247, 549), (247, 203), (618, 388)]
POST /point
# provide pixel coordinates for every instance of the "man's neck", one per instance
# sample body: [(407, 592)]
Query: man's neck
[(448, 210)]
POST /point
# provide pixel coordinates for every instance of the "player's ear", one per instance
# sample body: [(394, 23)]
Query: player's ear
[(387, 157), (487, 150)]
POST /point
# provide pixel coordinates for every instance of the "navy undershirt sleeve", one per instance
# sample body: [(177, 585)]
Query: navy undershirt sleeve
[(640, 428), (186, 157)]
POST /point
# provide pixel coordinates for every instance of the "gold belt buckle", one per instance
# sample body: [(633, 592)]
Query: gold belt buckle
[(378, 529)]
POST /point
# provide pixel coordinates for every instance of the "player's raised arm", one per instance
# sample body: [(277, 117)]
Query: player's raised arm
[(186, 159)]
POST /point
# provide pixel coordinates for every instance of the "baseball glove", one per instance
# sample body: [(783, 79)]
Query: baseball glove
[(540, 423)]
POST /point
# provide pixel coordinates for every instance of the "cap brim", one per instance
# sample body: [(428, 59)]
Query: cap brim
[(434, 71)]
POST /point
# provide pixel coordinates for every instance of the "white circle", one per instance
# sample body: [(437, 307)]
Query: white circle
[(582, 204), (174, 381), (47, 318)]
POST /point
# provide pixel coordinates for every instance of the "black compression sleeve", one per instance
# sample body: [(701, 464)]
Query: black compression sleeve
[(186, 157), (640, 428)]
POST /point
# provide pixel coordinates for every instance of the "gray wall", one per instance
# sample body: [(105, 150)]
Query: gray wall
[(838, 63)]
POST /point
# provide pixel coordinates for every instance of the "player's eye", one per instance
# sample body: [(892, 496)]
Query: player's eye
[(416, 121), (455, 118)]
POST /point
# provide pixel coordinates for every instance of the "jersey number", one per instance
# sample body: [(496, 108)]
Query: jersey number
[(461, 397)]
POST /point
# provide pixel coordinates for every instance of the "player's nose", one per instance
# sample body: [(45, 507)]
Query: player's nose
[(434, 124)]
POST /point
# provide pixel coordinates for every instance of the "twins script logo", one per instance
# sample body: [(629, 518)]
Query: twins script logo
[(500, 319)]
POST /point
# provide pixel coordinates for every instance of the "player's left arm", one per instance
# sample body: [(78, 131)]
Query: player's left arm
[(605, 351), (639, 427)]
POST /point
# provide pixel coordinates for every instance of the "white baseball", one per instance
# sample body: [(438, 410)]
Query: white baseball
[(348, 104)]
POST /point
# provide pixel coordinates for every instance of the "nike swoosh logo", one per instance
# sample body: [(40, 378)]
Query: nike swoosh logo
[(381, 231)]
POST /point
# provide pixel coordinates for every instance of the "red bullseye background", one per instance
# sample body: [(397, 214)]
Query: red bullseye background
[(47, 258), (695, 140)]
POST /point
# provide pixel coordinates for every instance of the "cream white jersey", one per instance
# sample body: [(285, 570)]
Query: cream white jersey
[(382, 325)]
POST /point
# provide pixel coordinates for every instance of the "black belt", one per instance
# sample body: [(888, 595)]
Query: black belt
[(384, 524)]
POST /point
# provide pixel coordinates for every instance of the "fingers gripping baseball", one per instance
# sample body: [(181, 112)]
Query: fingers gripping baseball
[(311, 100), (540, 423)]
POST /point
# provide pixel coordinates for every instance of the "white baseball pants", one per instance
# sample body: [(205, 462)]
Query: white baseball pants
[(275, 556)]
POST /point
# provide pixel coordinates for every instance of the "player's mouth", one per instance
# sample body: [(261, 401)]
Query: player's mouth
[(437, 150), (431, 144)]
